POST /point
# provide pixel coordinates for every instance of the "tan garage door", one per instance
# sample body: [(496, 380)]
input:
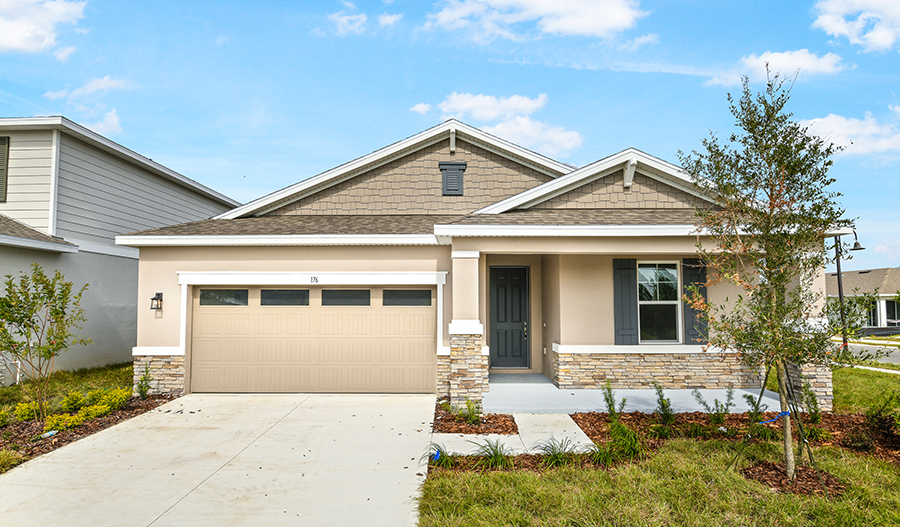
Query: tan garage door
[(320, 339)]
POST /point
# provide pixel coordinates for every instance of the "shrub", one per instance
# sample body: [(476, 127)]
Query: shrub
[(493, 455), (472, 413), (811, 402), (816, 433), (718, 411), (60, 422), (880, 416), (26, 411), (438, 456), (697, 431), (624, 441), (663, 407), (116, 398), (4, 419), (92, 412), (93, 397), (860, 440), (143, 384), (610, 399), (601, 455), (660, 432), (73, 402), (557, 453)]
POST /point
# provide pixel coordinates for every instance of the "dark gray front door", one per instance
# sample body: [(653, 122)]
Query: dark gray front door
[(509, 317)]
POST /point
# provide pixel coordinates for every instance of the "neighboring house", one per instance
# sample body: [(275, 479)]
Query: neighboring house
[(884, 284), (65, 193), (427, 264)]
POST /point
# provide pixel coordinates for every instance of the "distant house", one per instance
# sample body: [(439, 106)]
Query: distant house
[(884, 282), (65, 193)]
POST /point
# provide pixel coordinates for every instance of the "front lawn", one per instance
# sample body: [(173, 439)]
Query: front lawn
[(63, 382), (855, 390)]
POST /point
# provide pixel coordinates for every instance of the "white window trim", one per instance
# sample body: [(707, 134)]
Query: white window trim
[(679, 316)]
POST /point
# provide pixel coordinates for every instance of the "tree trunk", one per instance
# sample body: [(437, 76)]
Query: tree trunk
[(790, 466)]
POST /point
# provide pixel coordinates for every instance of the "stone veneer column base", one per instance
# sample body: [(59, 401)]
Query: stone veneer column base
[(468, 370), (819, 379), (167, 372), (641, 370)]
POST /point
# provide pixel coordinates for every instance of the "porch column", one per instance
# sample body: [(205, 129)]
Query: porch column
[(468, 367)]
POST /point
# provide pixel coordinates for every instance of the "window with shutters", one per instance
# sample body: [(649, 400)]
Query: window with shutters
[(4, 167), (452, 178), (659, 302)]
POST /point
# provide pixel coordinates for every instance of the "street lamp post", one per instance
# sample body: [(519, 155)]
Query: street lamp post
[(840, 281)]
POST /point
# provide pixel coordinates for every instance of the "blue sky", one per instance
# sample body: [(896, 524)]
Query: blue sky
[(249, 98)]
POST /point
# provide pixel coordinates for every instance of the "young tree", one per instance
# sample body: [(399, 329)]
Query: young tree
[(773, 208), (37, 316)]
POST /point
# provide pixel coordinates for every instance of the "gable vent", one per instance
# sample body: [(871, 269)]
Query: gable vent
[(4, 167), (452, 178)]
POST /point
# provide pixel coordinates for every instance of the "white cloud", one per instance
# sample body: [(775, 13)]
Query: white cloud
[(421, 108), (346, 23), (633, 45), (389, 20), (30, 25), (872, 24), (786, 63), (102, 86), (108, 125), (62, 54), (502, 18), (487, 107), (859, 136), (541, 137)]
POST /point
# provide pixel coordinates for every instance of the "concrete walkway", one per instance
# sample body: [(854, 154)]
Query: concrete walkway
[(235, 460)]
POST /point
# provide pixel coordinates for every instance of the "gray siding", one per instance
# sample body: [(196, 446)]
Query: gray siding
[(102, 196), (28, 194)]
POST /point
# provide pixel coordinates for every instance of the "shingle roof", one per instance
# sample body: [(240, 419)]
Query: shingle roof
[(885, 280), (583, 217), (17, 229)]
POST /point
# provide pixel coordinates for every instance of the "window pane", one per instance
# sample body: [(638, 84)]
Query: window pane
[(284, 297), (345, 297), (646, 292), (667, 291), (407, 297), (224, 297), (659, 322), (646, 273), (667, 273)]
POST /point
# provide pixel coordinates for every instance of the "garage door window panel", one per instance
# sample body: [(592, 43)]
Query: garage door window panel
[(224, 297), (346, 297), (407, 297), (284, 297)]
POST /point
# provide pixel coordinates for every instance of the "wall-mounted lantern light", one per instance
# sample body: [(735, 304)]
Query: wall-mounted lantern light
[(156, 301)]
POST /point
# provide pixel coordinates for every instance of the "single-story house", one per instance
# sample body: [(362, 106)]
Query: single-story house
[(884, 283), (426, 265), (65, 193)]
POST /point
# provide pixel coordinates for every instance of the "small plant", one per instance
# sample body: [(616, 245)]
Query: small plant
[(93, 397), (816, 433), (73, 402), (9, 459), (755, 415), (26, 411), (472, 413), (881, 416), (60, 422), (811, 402), (860, 440), (143, 384), (601, 455), (444, 404), (437, 456), (624, 441), (610, 399), (557, 453), (493, 455), (116, 398), (718, 411), (659, 432), (92, 412), (4, 419), (697, 431), (663, 407)]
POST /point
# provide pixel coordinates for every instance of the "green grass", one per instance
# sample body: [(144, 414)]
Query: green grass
[(685, 483), (882, 365), (63, 382), (856, 390), (9, 459)]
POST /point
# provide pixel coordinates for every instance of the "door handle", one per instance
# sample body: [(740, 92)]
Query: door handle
[(526, 329)]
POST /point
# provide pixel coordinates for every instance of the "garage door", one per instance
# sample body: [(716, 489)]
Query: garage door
[(320, 339)]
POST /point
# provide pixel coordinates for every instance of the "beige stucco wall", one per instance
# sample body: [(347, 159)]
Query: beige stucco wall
[(159, 267), (609, 192), (412, 185), (551, 308)]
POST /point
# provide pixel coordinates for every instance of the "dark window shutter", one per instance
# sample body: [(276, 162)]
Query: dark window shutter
[(4, 166), (625, 308), (693, 272), (452, 178)]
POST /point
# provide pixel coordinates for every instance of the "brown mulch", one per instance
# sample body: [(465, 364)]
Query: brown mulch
[(24, 436), (808, 482), (448, 423)]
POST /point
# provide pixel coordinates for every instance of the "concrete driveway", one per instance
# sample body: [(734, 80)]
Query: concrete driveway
[(224, 460)]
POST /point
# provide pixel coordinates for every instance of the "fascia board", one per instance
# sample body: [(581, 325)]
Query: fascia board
[(94, 139), (27, 243), (277, 240), (590, 172), (470, 231), (387, 154)]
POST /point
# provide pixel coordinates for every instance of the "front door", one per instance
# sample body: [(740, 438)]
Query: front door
[(509, 317)]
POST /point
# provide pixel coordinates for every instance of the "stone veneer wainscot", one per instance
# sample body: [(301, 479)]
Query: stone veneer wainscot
[(167, 373)]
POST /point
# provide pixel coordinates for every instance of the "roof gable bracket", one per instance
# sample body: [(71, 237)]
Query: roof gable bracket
[(452, 140), (629, 172)]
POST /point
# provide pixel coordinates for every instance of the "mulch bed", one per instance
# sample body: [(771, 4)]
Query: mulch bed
[(808, 482), (446, 422), (24, 436)]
